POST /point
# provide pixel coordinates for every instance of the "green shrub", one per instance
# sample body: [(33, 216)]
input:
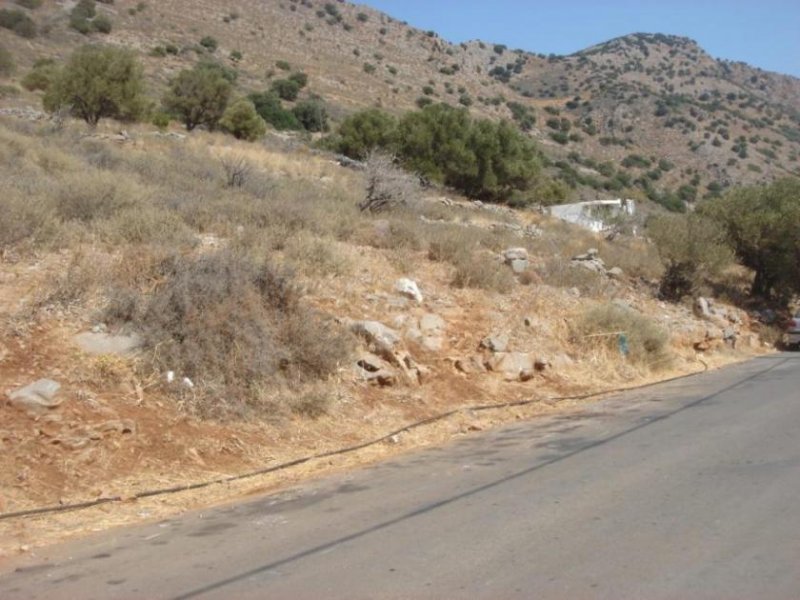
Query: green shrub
[(523, 115), (102, 24), (81, 15), (198, 96), (364, 131), (209, 43), (40, 76), (286, 89), (301, 79), (98, 82), (7, 66), (161, 120), (29, 4), (637, 161), (691, 247), (312, 115), (269, 107), (363, 17), (242, 121), (760, 224), (283, 65), (18, 22), (481, 158), (236, 55), (647, 341)]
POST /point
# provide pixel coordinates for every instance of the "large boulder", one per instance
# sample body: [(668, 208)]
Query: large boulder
[(517, 259), (37, 397), (590, 261), (376, 334)]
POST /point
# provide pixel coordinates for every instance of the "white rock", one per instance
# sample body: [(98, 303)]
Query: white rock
[(100, 342), (409, 289), (519, 265), (39, 396), (431, 323), (511, 254), (377, 333)]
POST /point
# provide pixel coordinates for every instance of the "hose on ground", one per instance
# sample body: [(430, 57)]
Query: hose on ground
[(338, 452)]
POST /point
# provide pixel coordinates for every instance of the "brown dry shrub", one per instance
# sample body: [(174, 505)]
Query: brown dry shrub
[(452, 244), (483, 272), (647, 341), (234, 327), (387, 185), (560, 272), (94, 195), (636, 257), (25, 218), (145, 224), (317, 256)]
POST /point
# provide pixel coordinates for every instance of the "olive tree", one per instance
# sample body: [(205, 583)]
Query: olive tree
[(198, 96), (691, 247), (98, 82)]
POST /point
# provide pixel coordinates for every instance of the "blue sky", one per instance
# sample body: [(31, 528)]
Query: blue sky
[(764, 33)]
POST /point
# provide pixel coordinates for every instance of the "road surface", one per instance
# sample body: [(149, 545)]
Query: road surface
[(686, 490)]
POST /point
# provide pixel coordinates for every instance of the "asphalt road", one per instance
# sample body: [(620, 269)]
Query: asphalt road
[(686, 490)]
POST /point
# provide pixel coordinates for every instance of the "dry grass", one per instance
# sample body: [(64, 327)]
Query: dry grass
[(562, 273), (482, 272), (602, 325)]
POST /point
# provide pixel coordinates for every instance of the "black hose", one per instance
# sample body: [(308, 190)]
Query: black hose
[(299, 461)]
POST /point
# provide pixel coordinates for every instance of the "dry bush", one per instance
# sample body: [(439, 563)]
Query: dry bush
[(70, 287), (317, 256), (237, 170), (234, 327), (93, 195), (560, 272), (563, 240), (483, 272), (146, 224), (400, 230), (452, 244), (25, 219), (647, 341), (102, 155), (636, 257), (387, 185), (312, 403)]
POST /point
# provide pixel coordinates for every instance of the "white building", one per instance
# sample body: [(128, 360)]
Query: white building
[(594, 215)]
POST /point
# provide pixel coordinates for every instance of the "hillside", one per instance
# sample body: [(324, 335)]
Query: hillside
[(645, 114), (178, 307)]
